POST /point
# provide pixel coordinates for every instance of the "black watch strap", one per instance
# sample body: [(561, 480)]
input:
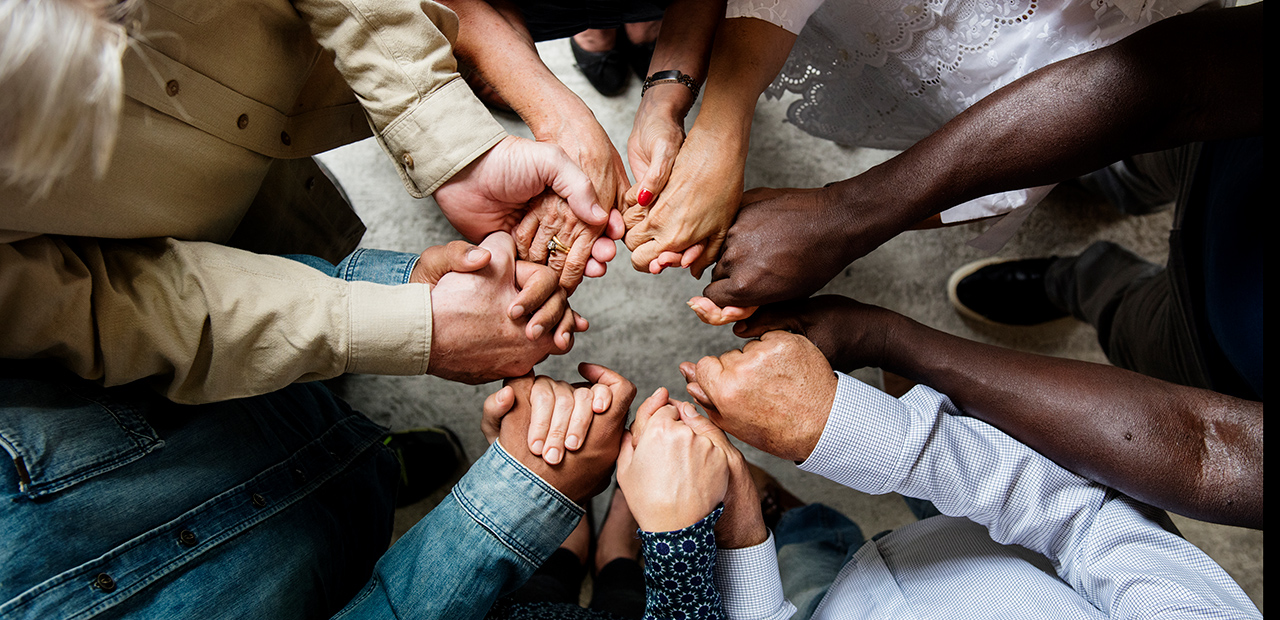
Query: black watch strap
[(671, 76)]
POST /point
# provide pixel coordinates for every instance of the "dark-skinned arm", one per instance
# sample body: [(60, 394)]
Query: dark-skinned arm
[(1191, 451), (1187, 78)]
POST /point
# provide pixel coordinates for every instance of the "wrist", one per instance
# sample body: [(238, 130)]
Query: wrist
[(667, 101)]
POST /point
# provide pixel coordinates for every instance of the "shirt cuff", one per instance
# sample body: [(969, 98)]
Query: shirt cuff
[(517, 506), (445, 131), (750, 584), (861, 446), (390, 329)]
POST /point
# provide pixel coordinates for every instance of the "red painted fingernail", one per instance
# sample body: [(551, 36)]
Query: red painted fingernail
[(645, 197)]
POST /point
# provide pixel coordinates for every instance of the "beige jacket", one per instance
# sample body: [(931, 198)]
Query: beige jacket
[(126, 277)]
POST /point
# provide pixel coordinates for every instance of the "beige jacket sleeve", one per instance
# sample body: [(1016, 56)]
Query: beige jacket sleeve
[(397, 55), (201, 321)]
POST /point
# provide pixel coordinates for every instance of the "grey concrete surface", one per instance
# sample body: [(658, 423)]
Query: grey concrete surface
[(641, 327)]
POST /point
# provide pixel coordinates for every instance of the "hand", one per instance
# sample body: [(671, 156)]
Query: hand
[(481, 326), (492, 192), (549, 215), (438, 260), (785, 244), (775, 394), (688, 222), (582, 473), (711, 314), (741, 525), (850, 334), (562, 413), (672, 476), (656, 136)]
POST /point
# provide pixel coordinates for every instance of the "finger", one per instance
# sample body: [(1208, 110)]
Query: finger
[(570, 182), (706, 428), (580, 419), (704, 259), (646, 410), (644, 254), (616, 227), (664, 260), (604, 249), (496, 406), (458, 256), (625, 454), (542, 403), (553, 451), (659, 172), (538, 284), (623, 390), (580, 323), (769, 319), (712, 314), (576, 262), (595, 269), (525, 233), (601, 398), (564, 331)]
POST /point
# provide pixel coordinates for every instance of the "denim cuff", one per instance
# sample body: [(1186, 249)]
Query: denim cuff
[(750, 583), (365, 265), (520, 509)]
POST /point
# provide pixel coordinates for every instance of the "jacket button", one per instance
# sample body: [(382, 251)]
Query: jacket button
[(408, 161), (104, 582), (258, 500), (243, 121), (285, 139), (187, 538), (171, 88)]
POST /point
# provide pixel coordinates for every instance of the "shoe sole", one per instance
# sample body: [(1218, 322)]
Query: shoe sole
[(965, 311)]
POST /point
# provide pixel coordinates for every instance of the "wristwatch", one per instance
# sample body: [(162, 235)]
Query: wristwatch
[(671, 76)]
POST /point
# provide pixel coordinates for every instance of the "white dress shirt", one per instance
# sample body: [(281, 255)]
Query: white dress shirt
[(1036, 540)]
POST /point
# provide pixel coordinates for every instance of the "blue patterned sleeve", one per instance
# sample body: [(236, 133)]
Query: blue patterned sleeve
[(679, 572)]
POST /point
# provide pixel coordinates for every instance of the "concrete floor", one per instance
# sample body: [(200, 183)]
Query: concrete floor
[(641, 327)]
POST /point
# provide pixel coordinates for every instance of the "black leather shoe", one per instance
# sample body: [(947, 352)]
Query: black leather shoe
[(607, 71), (429, 458), (1004, 291)]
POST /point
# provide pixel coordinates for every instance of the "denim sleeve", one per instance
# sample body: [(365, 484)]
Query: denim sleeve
[(679, 572), (365, 265), (1112, 550), (500, 523)]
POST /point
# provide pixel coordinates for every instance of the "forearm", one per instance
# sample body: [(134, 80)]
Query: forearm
[(1192, 451), (499, 47), (1192, 77), (746, 56), (684, 43), (202, 322)]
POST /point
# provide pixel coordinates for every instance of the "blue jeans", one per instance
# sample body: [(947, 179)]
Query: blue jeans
[(118, 502), (814, 542)]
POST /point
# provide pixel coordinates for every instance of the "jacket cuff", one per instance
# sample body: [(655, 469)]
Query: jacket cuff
[(520, 509), (390, 329), (445, 131)]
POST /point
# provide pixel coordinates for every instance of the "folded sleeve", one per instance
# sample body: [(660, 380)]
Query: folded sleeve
[(397, 56), (750, 584), (1113, 550), (790, 15), (200, 321)]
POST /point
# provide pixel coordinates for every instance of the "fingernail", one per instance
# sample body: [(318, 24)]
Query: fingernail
[(517, 312), (537, 446), (553, 456), (537, 332), (598, 406), (475, 254), (571, 442), (655, 392), (599, 212), (645, 197)]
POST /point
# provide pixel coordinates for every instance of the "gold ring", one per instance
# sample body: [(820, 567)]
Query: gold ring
[(556, 245)]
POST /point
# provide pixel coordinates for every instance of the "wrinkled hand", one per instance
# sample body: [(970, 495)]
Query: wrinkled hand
[(589, 250), (582, 473), (672, 476), (850, 334), (687, 223), (500, 320), (775, 393), (562, 413), (492, 193), (741, 525), (785, 244)]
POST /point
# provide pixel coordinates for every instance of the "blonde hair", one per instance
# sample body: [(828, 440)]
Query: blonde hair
[(61, 87)]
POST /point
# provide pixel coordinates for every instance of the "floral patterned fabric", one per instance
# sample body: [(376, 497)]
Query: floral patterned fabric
[(679, 574)]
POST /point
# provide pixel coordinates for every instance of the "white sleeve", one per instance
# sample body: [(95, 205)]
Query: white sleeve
[(790, 15), (1113, 550), (749, 583)]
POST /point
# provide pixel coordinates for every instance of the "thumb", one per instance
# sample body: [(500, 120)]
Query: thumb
[(458, 256), (569, 181), (625, 454), (656, 175)]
